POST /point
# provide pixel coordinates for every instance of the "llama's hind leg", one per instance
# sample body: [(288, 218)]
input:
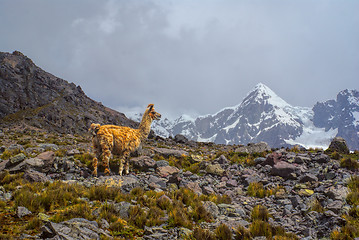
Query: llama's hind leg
[(126, 157), (106, 160), (124, 164), (127, 167)]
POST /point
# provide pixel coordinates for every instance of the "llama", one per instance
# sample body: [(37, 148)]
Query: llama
[(120, 140)]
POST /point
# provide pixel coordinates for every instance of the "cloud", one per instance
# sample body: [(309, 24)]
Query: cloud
[(185, 56)]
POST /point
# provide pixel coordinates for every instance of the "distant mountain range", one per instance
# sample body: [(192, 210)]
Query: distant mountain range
[(32, 97), (264, 116)]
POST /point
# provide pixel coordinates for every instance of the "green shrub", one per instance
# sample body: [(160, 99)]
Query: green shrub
[(349, 163), (164, 202), (108, 212), (335, 155), (177, 217), (256, 189), (242, 233), (154, 216), (81, 210), (259, 212), (353, 183), (46, 197), (260, 228), (102, 193), (11, 181), (117, 226), (223, 199), (137, 216), (223, 232), (353, 198), (202, 234), (200, 214), (34, 223), (316, 206)]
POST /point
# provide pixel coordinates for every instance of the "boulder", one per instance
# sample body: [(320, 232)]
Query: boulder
[(166, 152), (215, 169), (222, 160), (254, 147), (13, 161), (283, 169), (35, 176), (162, 163), (179, 138), (123, 209), (335, 206), (72, 152), (194, 186), (76, 228), (273, 158), (42, 163), (22, 212), (166, 171), (143, 163), (49, 146), (308, 177), (212, 208), (126, 183), (321, 158), (339, 145)]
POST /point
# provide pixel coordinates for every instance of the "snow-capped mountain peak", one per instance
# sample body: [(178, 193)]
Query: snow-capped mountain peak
[(262, 93), (264, 116)]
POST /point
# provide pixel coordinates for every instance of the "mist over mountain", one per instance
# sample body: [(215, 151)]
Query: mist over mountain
[(264, 116)]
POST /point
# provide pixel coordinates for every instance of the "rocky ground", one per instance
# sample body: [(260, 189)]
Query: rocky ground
[(177, 189)]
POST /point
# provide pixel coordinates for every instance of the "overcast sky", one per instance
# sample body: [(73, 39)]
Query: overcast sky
[(189, 57)]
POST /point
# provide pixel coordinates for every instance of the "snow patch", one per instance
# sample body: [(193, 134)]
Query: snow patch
[(210, 139), (312, 137), (356, 119), (233, 125)]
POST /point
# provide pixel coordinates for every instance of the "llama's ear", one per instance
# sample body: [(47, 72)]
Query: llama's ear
[(150, 106)]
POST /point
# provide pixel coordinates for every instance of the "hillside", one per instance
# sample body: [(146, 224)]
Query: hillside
[(32, 97), (175, 190)]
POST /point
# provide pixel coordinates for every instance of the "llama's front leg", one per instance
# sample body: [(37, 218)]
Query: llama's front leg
[(94, 165), (95, 162)]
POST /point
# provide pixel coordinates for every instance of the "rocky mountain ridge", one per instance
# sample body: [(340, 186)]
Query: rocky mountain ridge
[(264, 116), (32, 97)]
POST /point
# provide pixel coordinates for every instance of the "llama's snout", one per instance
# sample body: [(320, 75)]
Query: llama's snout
[(157, 116)]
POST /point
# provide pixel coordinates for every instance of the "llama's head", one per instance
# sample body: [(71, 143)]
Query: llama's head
[(94, 128), (152, 113)]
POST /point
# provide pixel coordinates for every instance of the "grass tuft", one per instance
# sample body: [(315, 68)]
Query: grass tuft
[(349, 163), (223, 232)]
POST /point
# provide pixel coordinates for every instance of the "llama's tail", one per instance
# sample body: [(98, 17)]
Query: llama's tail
[(94, 128)]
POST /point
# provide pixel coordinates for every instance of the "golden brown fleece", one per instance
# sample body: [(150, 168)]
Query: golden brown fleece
[(120, 140)]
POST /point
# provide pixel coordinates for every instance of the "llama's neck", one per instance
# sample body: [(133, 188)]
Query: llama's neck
[(145, 127)]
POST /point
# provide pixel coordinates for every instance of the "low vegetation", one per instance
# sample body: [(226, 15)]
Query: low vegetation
[(256, 189), (351, 228), (62, 201)]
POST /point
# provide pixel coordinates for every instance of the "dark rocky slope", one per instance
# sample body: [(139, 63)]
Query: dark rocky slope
[(31, 96)]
